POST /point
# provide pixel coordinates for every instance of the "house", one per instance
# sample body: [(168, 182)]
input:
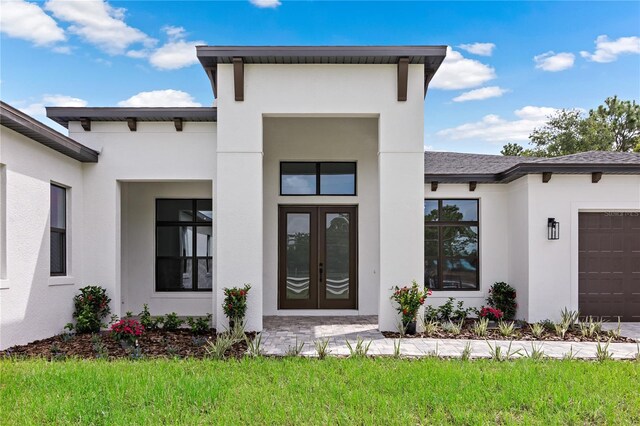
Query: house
[(308, 180)]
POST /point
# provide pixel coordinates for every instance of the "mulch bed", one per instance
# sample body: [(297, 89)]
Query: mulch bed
[(522, 333), (153, 344)]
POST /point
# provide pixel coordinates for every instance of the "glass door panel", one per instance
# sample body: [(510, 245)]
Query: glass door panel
[(337, 268), (298, 255)]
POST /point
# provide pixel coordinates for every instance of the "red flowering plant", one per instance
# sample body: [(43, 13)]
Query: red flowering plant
[(409, 300), (91, 306), (494, 314), (235, 303), (127, 330)]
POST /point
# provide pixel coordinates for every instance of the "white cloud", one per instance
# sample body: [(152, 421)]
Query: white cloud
[(174, 54), (266, 3), (27, 21), (480, 94), (482, 49), (66, 50), (493, 128), (99, 23), (552, 61), (37, 108), (609, 50), (160, 98), (458, 72)]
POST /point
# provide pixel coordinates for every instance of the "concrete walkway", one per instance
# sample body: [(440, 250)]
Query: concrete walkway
[(283, 333)]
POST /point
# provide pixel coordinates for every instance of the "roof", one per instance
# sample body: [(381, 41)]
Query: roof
[(33, 129), (430, 56), (213, 55), (451, 167), (63, 115)]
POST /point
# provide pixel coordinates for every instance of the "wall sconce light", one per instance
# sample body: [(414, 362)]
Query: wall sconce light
[(553, 229)]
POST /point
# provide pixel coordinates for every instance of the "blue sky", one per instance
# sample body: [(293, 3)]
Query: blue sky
[(510, 65)]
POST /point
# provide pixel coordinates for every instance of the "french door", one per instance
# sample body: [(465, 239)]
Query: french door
[(317, 259)]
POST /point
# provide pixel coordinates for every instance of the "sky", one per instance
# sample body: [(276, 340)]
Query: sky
[(509, 64)]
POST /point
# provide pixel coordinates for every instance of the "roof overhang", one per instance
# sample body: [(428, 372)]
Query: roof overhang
[(39, 132), (63, 115), (430, 56), (523, 169)]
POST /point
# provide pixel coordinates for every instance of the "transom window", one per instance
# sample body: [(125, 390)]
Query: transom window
[(183, 245), (451, 260), (326, 178)]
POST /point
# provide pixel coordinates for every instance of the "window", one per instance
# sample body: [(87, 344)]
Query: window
[(335, 178), (183, 245), (58, 236), (451, 260)]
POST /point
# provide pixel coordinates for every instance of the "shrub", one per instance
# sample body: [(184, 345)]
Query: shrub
[(172, 322), (447, 311), (492, 313), (91, 306), (127, 330), (503, 297), (235, 303), (199, 325), (409, 300), (481, 327), (148, 322)]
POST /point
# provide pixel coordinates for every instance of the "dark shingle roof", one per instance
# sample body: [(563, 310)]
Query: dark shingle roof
[(459, 167), (595, 157), (457, 163)]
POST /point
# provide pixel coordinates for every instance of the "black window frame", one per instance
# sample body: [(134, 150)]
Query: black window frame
[(318, 165), (194, 224), (62, 232), (440, 225)]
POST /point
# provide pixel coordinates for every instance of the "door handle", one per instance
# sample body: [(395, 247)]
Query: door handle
[(320, 270)]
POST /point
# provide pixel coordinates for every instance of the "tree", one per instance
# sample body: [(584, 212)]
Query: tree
[(616, 123), (512, 149), (614, 126)]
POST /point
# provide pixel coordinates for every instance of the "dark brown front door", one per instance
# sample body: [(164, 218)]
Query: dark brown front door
[(317, 259), (609, 265)]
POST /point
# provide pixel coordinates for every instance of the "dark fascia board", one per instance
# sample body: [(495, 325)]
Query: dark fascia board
[(33, 129), (430, 56), (213, 55), (523, 169), (63, 115)]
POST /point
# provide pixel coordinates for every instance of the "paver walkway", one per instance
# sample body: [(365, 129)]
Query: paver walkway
[(283, 332)]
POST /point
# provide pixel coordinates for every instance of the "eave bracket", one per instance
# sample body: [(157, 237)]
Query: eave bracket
[(403, 77), (238, 78)]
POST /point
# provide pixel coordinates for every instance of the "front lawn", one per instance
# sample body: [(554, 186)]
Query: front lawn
[(311, 391)]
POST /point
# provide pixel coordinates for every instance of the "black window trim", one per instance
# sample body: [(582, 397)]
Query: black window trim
[(63, 235), (318, 175), (440, 225), (194, 257)]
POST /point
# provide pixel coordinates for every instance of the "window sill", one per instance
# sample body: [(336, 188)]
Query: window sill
[(457, 294), (4, 284), (183, 295), (63, 280)]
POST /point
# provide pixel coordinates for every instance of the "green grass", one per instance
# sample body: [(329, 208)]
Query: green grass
[(332, 391)]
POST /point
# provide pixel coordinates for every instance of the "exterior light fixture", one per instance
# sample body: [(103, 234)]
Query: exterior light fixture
[(553, 229)]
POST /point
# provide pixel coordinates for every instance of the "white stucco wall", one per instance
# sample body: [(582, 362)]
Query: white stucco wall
[(324, 139), (553, 265), (318, 90), (34, 305), (138, 249), (513, 236), (155, 152)]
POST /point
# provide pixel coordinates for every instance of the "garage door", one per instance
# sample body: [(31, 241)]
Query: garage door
[(609, 265)]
